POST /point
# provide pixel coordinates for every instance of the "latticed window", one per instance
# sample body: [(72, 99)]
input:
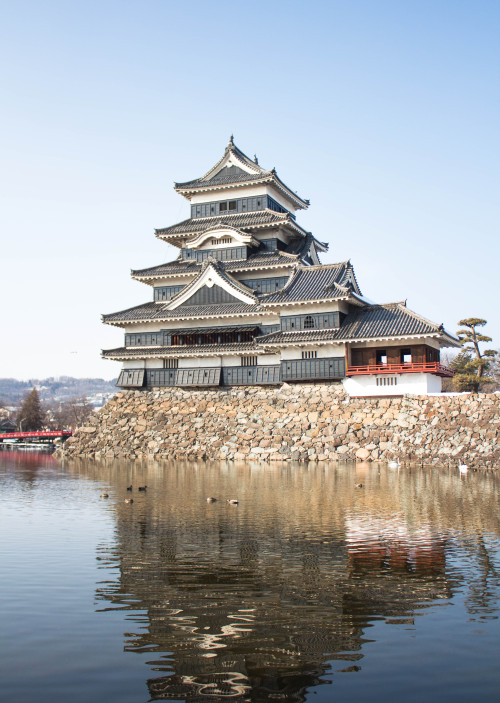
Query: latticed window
[(249, 361), (387, 381), (309, 354), (170, 363), (308, 322)]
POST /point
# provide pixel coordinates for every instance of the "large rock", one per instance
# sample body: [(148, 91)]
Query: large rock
[(300, 422)]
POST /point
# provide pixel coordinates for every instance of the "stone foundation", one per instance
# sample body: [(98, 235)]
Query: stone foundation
[(301, 422)]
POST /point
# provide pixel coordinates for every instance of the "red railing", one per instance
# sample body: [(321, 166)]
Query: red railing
[(433, 367), (25, 435)]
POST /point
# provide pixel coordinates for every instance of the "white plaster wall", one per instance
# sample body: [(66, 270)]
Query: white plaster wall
[(402, 342), (324, 352), (172, 281), (244, 192), (234, 321), (330, 350), (134, 364), (281, 198), (144, 327), (229, 194), (291, 353), (259, 273), (310, 308), (231, 361), (200, 362), (343, 306), (154, 363), (415, 383), (268, 359)]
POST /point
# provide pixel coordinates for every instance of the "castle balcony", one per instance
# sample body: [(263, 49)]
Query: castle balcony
[(432, 367)]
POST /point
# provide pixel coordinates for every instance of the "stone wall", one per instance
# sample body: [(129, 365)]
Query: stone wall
[(301, 422)]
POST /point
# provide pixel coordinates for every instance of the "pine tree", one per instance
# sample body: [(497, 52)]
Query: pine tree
[(31, 416), (472, 364)]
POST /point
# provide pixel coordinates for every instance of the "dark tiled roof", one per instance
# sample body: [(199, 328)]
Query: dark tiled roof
[(314, 283), (221, 179), (392, 320), (301, 336), (158, 311), (237, 175), (242, 220), (177, 266), (372, 321), (145, 311), (265, 258), (145, 352), (230, 280), (302, 246), (214, 330)]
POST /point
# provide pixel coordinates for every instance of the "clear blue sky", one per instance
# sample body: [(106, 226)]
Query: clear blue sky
[(384, 113)]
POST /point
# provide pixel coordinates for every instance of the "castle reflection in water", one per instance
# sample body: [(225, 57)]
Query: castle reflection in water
[(254, 602)]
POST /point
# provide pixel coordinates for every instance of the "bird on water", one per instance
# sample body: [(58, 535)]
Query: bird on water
[(142, 488), (232, 501), (463, 468)]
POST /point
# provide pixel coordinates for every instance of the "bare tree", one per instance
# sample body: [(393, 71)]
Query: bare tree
[(72, 413)]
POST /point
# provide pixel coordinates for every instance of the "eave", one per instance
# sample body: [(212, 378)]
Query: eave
[(272, 178), (215, 350), (237, 269), (180, 317), (310, 301), (217, 220), (212, 273), (388, 338), (256, 176)]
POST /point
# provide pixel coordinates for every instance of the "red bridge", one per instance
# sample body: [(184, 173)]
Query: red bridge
[(49, 434)]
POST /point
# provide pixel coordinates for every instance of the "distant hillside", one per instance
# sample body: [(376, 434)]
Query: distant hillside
[(55, 389)]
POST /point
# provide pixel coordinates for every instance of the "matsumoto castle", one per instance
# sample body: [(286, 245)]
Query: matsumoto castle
[(247, 302)]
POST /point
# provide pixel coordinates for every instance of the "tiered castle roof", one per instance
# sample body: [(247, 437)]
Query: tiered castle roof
[(243, 231)]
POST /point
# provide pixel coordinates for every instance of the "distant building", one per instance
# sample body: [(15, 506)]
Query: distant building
[(247, 301), (7, 425)]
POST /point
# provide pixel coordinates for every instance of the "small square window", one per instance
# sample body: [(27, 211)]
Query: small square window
[(222, 207), (406, 356), (232, 204)]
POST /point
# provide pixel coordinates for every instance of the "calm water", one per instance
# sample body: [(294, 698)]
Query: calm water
[(310, 589)]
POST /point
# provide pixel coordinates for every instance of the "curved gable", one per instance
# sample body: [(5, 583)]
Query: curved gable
[(212, 275)]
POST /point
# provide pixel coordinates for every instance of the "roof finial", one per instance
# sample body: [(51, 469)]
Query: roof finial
[(231, 140), (256, 160)]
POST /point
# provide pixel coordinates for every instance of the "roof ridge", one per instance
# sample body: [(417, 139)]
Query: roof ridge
[(256, 173), (412, 313), (218, 267), (219, 218), (240, 155), (134, 307), (326, 266)]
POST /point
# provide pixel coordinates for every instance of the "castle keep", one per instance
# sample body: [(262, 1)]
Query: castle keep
[(248, 302)]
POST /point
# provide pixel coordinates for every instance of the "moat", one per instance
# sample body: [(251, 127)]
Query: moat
[(325, 582)]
